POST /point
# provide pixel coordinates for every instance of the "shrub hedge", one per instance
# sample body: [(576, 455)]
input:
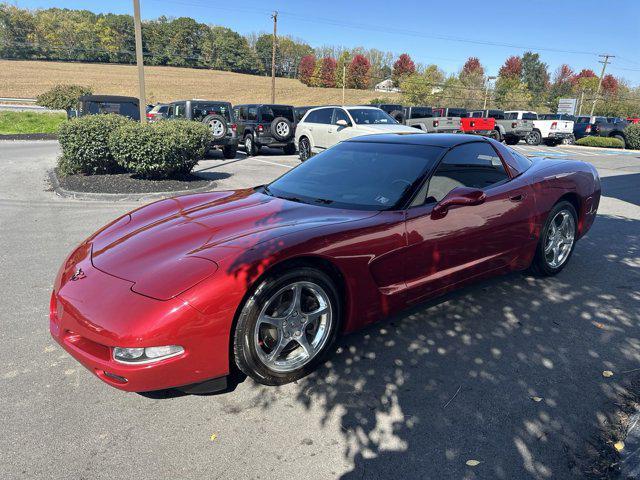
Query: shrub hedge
[(98, 144), (600, 142), (84, 143), (62, 97), (632, 134), (160, 149)]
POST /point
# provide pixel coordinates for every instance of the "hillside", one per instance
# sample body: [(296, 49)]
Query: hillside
[(27, 79)]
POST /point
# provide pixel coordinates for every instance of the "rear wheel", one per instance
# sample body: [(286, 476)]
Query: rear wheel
[(557, 240), (287, 326), (249, 145), (229, 151), (304, 148), (621, 138), (533, 138), (497, 135)]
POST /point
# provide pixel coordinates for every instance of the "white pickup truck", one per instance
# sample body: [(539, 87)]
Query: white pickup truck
[(545, 129)]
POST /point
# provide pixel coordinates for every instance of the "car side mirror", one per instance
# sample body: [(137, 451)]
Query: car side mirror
[(342, 123), (459, 196)]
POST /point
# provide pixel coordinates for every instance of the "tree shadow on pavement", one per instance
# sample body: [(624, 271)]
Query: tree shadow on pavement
[(622, 187), (507, 372)]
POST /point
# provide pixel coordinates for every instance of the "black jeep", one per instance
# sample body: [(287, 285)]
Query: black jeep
[(262, 125), (218, 116)]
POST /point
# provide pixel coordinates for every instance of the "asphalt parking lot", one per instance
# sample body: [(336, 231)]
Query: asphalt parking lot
[(507, 372)]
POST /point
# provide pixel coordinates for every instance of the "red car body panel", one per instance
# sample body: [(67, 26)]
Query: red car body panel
[(177, 271)]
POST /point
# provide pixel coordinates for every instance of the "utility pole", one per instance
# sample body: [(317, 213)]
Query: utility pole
[(274, 16), (606, 57), (344, 80), (486, 91), (581, 102), (139, 61)]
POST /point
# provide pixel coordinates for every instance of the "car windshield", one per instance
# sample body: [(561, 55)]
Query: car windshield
[(271, 112), (160, 109), (370, 116), (201, 110), (356, 175)]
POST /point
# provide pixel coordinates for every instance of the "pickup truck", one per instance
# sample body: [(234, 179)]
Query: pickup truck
[(474, 126), (424, 119), (600, 127), (394, 109), (551, 131), (507, 128)]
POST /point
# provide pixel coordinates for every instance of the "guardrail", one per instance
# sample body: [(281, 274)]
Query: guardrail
[(17, 100)]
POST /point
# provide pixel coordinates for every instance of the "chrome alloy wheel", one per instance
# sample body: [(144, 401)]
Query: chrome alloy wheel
[(217, 129), (282, 129), (293, 326), (559, 239)]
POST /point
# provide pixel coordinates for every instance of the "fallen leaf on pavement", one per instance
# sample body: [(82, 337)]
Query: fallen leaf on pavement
[(472, 463), (599, 325), (213, 437), (536, 399), (619, 446), (607, 373)]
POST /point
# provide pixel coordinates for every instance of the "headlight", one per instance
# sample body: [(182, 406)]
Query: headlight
[(145, 355)]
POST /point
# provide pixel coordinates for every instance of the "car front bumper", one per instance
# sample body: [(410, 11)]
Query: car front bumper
[(91, 316)]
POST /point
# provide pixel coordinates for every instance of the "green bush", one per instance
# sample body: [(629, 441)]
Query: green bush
[(600, 142), (161, 149), (62, 97), (84, 143), (632, 134)]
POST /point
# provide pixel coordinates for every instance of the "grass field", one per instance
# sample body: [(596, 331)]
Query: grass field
[(27, 79), (30, 122)]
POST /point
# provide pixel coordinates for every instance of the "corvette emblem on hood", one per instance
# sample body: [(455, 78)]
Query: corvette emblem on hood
[(78, 275)]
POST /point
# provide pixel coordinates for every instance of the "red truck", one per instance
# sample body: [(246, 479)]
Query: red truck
[(476, 126)]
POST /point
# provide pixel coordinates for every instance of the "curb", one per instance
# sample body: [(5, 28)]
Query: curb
[(119, 197)]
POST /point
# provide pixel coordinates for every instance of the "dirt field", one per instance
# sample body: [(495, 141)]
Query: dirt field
[(27, 79)]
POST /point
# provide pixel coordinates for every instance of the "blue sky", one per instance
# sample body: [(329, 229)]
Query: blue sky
[(562, 31)]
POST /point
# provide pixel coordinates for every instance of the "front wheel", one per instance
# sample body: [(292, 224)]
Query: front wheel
[(287, 326), (557, 240), (621, 138)]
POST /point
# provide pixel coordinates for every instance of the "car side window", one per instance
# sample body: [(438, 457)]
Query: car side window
[(179, 110), (474, 165), (340, 114), (322, 115), (252, 114)]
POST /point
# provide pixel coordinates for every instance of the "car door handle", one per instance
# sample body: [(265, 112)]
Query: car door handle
[(517, 198)]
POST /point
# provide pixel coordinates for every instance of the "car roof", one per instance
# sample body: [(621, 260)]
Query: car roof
[(443, 140), (107, 98), (264, 105), (203, 100)]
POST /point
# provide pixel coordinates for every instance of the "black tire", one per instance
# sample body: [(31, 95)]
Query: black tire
[(229, 151), (281, 129), (398, 116), (568, 140), (621, 138), (304, 147), (217, 125), (534, 138), (249, 145), (497, 136), (540, 266), (289, 149), (244, 345), (511, 140)]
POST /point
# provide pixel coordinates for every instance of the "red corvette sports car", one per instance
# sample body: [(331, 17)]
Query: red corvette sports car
[(179, 292)]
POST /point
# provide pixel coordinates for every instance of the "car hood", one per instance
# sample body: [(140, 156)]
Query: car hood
[(389, 128), (167, 247)]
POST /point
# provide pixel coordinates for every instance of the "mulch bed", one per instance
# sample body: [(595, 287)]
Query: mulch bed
[(28, 136), (127, 183)]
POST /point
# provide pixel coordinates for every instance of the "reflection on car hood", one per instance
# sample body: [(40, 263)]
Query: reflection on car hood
[(190, 233), (386, 128)]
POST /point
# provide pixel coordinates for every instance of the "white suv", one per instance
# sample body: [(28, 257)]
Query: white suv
[(323, 127)]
